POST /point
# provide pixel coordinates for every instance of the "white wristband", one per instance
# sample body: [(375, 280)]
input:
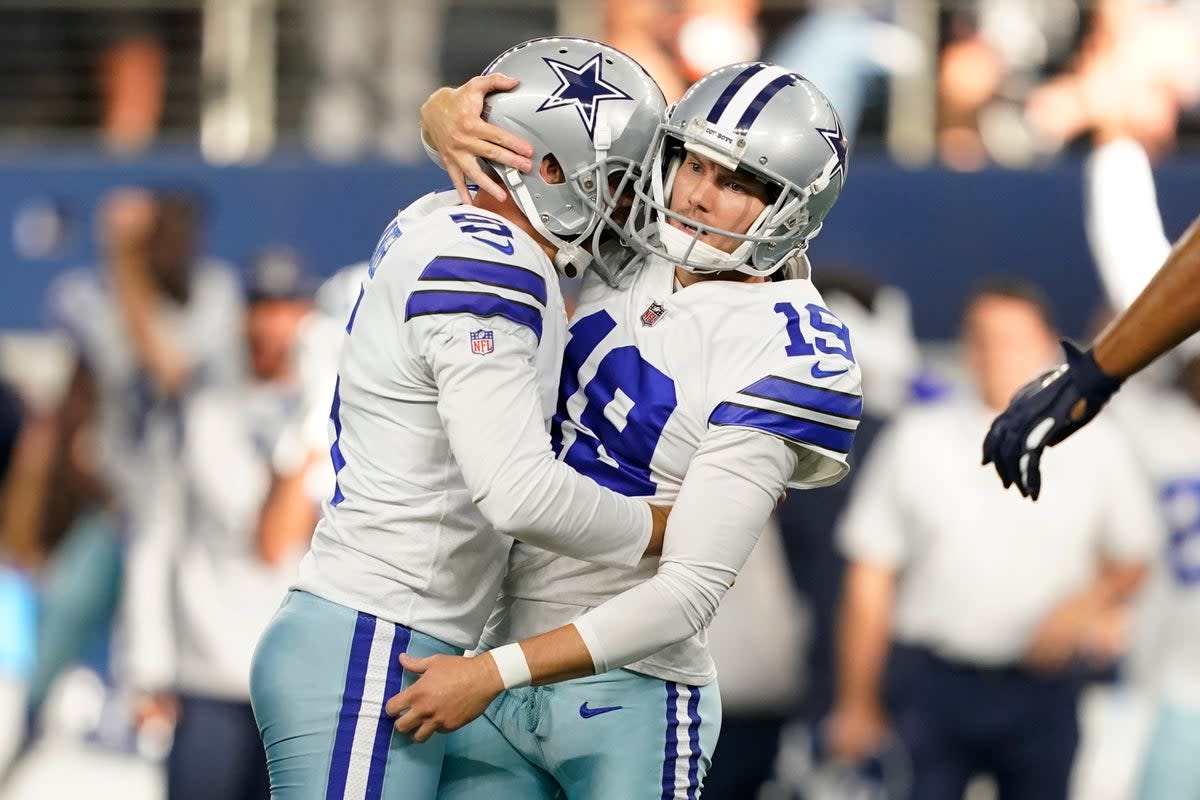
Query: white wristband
[(514, 669)]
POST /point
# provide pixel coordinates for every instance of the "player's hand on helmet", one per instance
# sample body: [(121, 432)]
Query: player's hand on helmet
[(1043, 413), (452, 691), (452, 122)]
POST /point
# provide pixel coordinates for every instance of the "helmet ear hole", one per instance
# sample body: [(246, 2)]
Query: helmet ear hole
[(551, 171)]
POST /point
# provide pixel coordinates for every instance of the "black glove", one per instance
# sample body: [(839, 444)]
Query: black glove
[(1045, 411)]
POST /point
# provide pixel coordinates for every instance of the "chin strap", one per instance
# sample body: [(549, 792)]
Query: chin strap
[(569, 258)]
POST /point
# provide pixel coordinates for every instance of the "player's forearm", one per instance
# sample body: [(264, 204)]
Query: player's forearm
[(564, 512), (864, 632), (287, 517), (556, 655), (1117, 583), (732, 484), (1162, 316)]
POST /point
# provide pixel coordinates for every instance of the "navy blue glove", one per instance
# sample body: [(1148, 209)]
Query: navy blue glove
[(1044, 412)]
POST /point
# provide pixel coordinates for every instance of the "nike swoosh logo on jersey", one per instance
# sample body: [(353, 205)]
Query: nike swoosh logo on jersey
[(504, 247), (588, 713), (817, 372)]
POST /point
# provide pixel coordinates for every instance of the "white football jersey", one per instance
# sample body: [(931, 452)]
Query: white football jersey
[(447, 381), (648, 370), (1163, 428)]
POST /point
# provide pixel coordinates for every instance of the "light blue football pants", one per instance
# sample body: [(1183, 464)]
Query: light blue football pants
[(1171, 770), (321, 675), (616, 736)]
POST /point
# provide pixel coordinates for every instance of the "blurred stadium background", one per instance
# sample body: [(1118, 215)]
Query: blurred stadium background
[(294, 123)]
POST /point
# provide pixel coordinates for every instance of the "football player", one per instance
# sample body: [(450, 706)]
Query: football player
[(715, 358), (442, 451)]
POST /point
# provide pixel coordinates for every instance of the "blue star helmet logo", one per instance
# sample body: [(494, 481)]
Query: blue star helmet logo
[(838, 143), (584, 88)]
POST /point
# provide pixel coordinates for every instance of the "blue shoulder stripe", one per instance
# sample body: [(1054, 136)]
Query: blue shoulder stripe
[(806, 396), (481, 304), (493, 273), (804, 431)]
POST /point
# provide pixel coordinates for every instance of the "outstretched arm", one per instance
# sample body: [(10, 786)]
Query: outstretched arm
[(456, 137), (1162, 316), (1053, 406)]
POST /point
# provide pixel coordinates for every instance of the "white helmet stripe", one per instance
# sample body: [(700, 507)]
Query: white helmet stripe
[(747, 94)]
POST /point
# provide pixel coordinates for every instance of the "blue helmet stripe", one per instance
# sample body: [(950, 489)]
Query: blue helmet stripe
[(759, 103), (732, 89)]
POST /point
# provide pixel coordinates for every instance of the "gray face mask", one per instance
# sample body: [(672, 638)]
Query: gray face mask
[(763, 119)]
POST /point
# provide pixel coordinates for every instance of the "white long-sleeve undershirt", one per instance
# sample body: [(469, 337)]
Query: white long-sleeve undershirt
[(1124, 226), (732, 485)]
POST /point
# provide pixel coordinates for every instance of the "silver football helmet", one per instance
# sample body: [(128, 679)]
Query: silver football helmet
[(595, 110), (761, 118)]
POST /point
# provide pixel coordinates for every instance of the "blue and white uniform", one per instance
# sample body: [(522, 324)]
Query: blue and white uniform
[(746, 388), (441, 449)]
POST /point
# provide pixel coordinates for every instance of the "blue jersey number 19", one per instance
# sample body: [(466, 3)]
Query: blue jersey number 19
[(628, 404)]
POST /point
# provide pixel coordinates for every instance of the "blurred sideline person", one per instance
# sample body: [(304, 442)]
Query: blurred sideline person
[(149, 326), (720, 366), (441, 448), (994, 607), (221, 591)]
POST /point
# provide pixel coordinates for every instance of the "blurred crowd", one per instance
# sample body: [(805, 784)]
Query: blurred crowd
[(912, 631), (969, 84)]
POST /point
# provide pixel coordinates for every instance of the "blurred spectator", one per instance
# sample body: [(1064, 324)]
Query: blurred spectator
[(149, 326), (375, 60), (847, 49), (222, 586), (1137, 67), (992, 55), (132, 77), (995, 607), (677, 41)]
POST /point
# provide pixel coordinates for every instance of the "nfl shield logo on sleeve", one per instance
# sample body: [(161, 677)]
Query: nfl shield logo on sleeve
[(482, 342)]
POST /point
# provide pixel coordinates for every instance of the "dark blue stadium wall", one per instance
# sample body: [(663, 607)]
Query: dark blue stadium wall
[(932, 232)]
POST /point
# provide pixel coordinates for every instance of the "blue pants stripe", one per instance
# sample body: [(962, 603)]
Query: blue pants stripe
[(356, 676), (383, 726), (671, 749), (694, 743)]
